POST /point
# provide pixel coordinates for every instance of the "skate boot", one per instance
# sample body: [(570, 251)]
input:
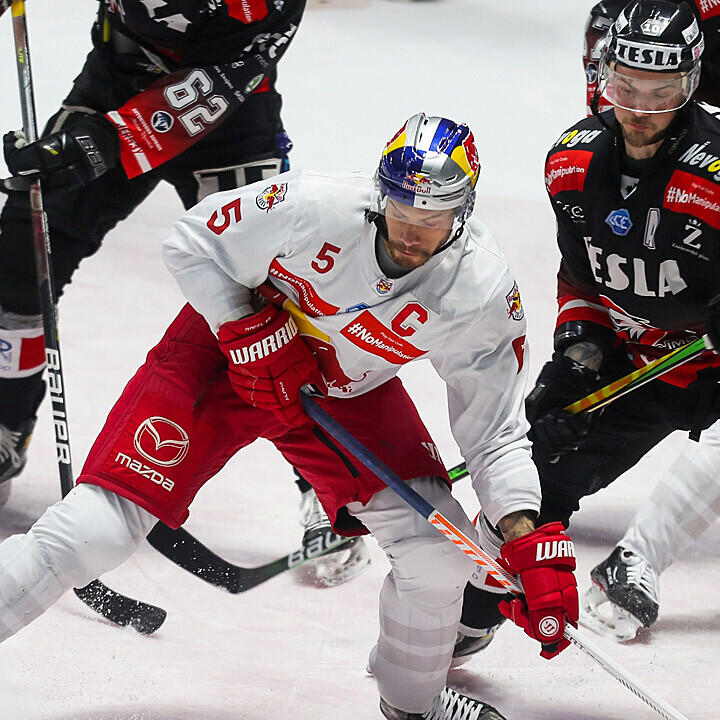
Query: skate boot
[(345, 561), (470, 641), (448, 705), (629, 586), (13, 455)]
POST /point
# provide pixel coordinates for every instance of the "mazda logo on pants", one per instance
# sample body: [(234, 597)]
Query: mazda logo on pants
[(161, 441)]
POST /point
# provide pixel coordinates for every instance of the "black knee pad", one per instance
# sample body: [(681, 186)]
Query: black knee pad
[(480, 608)]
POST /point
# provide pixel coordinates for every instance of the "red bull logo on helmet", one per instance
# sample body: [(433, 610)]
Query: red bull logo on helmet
[(271, 196), (417, 183)]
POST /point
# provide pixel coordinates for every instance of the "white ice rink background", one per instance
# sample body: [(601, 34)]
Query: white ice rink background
[(289, 649)]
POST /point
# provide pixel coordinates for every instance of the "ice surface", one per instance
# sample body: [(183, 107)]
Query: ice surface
[(288, 649)]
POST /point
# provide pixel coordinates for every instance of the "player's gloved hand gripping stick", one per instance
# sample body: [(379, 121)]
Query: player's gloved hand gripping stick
[(477, 554)]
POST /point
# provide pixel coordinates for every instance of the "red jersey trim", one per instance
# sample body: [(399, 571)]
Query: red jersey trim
[(308, 299)]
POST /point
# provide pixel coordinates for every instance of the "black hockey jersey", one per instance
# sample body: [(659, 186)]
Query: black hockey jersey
[(646, 265), (210, 54)]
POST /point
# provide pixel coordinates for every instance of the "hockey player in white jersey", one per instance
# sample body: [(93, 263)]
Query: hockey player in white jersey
[(332, 282), (625, 590)]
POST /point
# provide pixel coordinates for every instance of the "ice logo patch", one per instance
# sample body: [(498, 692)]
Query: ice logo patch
[(161, 121), (619, 222)]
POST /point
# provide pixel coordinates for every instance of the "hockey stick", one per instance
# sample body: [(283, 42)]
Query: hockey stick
[(624, 385), (190, 554), (119, 609), (476, 553)]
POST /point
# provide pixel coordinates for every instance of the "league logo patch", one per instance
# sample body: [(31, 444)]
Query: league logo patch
[(161, 441), (383, 286), (271, 196), (619, 222), (161, 121), (515, 308)]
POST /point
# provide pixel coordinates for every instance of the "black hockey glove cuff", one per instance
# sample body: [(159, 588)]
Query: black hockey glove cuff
[(712, 322), (561, 381), (67, 159)]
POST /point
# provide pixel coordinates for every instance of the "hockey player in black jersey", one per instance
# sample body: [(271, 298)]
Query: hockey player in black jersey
[(636, 194), (182, 92), (624, 593)]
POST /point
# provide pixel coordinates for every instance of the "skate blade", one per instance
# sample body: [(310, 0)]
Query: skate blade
[(605, 618)]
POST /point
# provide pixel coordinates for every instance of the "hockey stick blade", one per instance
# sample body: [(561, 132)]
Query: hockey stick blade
[(190, 554), (121, 610)]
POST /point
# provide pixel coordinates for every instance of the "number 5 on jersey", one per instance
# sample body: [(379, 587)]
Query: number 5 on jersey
[(324, 261)]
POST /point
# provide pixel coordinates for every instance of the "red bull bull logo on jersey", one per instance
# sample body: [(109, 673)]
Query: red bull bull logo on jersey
[(515, 308), (271, 196)]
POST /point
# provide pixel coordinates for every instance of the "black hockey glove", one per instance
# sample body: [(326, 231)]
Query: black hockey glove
[(561, 381), (83, 151), (712, 322)]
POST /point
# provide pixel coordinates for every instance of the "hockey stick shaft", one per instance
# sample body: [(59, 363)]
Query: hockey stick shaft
[(475, 552), (616, 389), (115, 607), (43, 256), (624, 385)]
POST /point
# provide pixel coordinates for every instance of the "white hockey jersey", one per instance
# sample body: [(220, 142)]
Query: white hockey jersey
[(307, 233)]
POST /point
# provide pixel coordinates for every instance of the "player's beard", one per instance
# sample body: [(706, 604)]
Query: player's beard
[(395, 249), (642, 138)]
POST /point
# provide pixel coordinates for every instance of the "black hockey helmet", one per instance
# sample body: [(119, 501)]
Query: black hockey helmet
[(602, 16), (652, 36)]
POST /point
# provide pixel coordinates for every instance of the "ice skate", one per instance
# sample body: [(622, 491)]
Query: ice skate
[(470, 641), (628, 585), (339, 565), (448, 705), (13, 455)]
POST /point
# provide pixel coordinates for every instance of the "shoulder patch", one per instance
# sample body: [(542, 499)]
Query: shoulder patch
[(515, 308), (567, 170)]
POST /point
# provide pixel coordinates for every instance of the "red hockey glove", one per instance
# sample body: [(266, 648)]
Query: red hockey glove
[(269, 363), (544, 560)]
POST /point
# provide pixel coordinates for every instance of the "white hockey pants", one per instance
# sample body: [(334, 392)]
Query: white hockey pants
[(421, 598), (685, 503), (85, 535)]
